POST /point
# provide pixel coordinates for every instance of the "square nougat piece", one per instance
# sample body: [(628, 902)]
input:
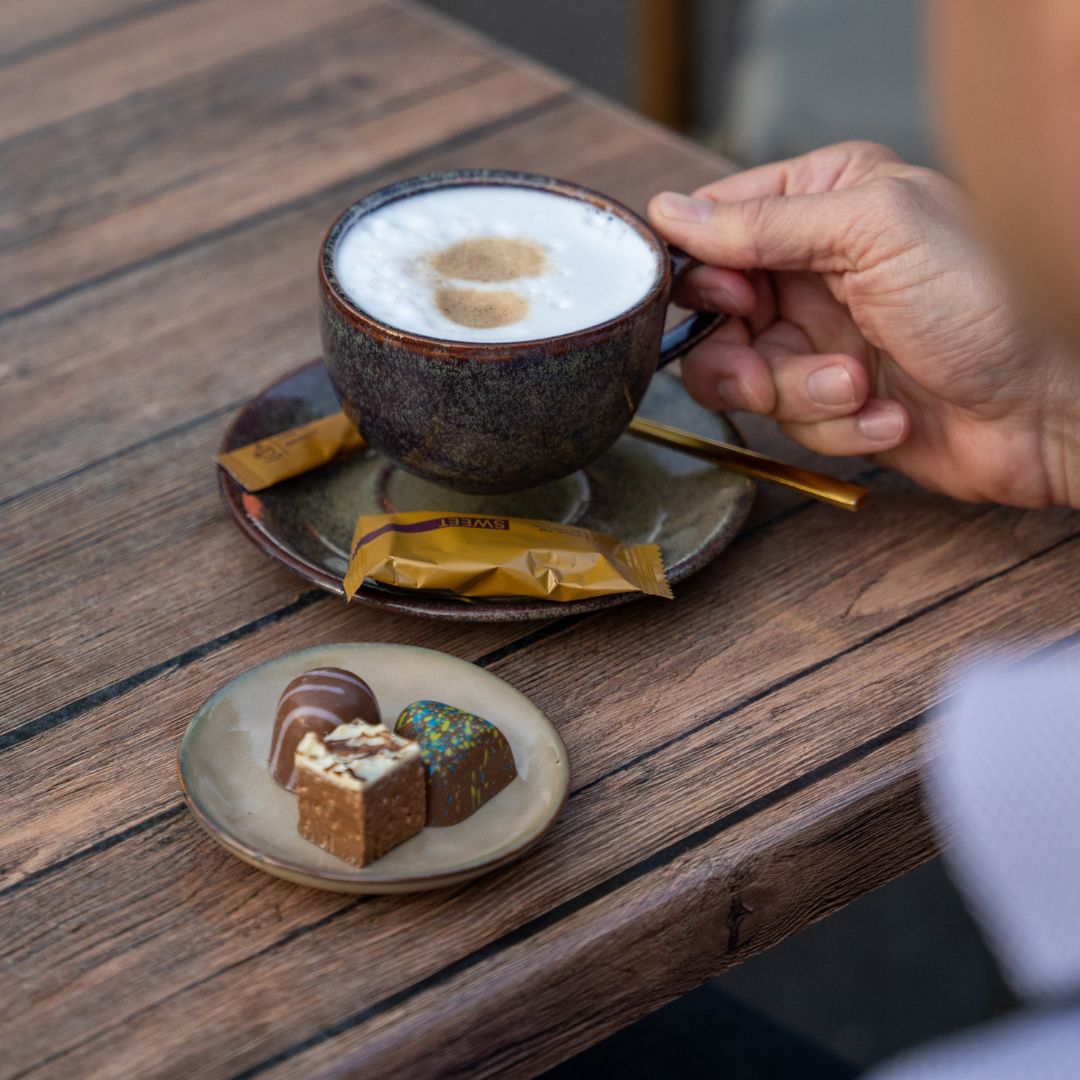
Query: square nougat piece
[(361, 791)]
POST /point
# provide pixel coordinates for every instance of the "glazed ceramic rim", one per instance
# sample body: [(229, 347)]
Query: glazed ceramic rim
[(435, 607), (358, 881), (445, 348)]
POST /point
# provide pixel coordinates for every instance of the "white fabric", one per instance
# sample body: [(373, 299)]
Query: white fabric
[(1027, 1048), (1004, 785), (1005, 788)]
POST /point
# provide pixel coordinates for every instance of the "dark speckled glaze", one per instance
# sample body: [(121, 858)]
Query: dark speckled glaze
[(493, 417)]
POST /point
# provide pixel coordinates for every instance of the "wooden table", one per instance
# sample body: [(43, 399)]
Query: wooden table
[(745, 758)]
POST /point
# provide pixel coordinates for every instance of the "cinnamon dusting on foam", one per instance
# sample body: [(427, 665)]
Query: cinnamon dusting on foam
[(481, 308), (489, 259)]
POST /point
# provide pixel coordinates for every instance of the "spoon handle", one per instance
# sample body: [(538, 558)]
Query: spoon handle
[(826, 488)]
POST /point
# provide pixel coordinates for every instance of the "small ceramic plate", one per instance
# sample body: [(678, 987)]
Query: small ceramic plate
[(639, 492), (226, 783)]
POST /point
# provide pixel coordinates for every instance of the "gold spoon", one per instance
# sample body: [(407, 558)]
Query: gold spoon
[(826, 488), (289, 453)]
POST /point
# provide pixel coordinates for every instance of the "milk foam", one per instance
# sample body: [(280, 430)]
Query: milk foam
[(596, 266)]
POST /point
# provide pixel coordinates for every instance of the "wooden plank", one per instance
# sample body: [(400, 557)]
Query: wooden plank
[(107, 579), (101, 808), (64, 555), (217, 200), (136, 56), (28, 27), (223, 317), (120, 540), (766, 615), (134, 905), (35, 845), (613, 960), (711, 906), (106, 793), (66, 176)]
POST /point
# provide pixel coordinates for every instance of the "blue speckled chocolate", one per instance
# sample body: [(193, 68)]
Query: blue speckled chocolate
[(493, 417), (467, 759)]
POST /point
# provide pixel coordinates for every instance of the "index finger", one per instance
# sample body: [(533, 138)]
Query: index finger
[(830, 168)]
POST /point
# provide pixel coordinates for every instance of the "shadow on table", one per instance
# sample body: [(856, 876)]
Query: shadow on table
[(706, 1034)]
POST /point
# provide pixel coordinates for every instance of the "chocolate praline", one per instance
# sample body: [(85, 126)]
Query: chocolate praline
[(467, 759), (318, 700)]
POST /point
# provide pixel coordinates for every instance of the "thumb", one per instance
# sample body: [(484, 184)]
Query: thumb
[(772, 232)]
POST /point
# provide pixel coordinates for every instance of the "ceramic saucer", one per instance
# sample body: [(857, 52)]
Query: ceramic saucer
[(636, 491), (228, 788)]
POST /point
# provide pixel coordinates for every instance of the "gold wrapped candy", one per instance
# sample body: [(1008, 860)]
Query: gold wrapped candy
[(482, 555), (289, 453)]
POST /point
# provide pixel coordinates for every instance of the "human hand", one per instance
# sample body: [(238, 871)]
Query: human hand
[(867, 319)]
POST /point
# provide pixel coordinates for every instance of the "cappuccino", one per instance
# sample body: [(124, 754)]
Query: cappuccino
[(493, 263)]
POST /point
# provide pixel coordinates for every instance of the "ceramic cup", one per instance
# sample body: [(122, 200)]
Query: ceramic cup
[(496, 417)]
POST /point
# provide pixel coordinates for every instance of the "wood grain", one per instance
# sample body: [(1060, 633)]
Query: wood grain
[(269, 98), (745, 759), (130, 58), (611, 954), (28, 27), (631, 799), (323, 159)]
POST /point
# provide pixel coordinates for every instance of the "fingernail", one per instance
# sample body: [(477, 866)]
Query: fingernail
[(683, 207), (831, 386), (721, 300), (733, 392), (881, 425)]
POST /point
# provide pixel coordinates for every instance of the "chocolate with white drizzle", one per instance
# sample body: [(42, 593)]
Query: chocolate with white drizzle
[(318, 701)]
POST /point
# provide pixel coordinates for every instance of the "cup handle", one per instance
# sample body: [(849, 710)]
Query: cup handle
[(694, 328)]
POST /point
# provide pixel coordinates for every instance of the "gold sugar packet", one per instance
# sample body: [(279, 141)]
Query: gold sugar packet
[(289, 453), (480, 555)]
